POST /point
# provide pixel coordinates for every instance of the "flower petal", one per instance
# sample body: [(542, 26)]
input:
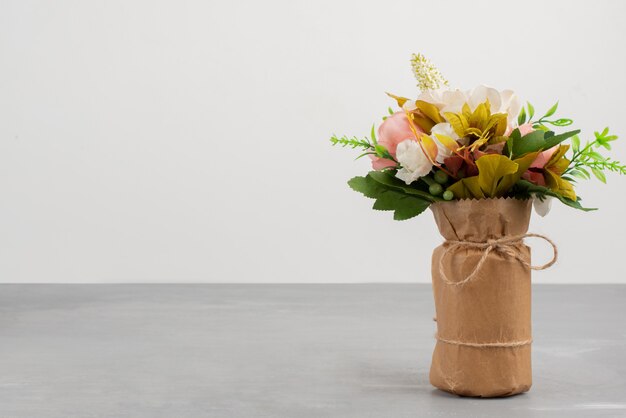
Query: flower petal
[(542, 207)]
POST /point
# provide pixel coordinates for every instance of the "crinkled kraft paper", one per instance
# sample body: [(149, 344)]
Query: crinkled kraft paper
[(493, 307)]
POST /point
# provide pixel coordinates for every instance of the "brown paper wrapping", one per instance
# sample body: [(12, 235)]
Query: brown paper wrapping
[(493, 307)]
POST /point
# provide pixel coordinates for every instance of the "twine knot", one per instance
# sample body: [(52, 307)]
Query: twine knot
[(506, 245)]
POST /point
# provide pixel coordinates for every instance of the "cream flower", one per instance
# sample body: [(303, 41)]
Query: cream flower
[(505, 101), (445, 129), (414, 162), (445, 100)]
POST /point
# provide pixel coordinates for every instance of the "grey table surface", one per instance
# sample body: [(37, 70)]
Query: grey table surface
[(285, 351)]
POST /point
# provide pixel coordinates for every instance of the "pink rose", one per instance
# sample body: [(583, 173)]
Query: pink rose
[(391, 132), (543, 157), (525, 129), (535, 173)]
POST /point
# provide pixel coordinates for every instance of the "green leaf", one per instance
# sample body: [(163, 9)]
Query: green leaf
[(599, 175), (604, 138), (353, 142), (508, 181), (409, 207), (404, 206), (595, 155), (390, 110), (364, 154), (373, 134), (366, 185), (533, 141), (559, 122), (531, 111), (508, 147), (540, 191), (387, 200), (557, 139), (388, 179), (539, 141), (496, 175), (521, 118), (575, 143), (491, 170), (551, 111), (380, 150)]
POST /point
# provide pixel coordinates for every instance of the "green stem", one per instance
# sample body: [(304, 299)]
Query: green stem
[(428, 181), (580, 152)]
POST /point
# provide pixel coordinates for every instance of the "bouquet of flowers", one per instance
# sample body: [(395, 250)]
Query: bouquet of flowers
[(481, 143), (479, 160)]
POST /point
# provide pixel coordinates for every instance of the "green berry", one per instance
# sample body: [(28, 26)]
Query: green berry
[(441, 177), (448, 195), (435, 189)]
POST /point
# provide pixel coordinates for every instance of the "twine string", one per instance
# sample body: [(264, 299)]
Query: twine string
[(507, 344)]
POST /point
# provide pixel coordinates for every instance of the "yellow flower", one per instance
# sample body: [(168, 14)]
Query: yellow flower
[(480, 126), (554, 169)]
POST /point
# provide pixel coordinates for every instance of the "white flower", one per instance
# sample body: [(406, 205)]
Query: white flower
[(414, 162), (445, 129), (542, 207), (505, 101), (445, 100), (409, 106)]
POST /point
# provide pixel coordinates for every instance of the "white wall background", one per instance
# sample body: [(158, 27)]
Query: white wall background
[(179, 141)]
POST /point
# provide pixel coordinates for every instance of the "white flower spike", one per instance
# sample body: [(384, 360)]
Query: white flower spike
[(427, 75)]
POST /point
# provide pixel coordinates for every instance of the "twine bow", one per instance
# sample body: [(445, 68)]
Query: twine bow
[(504, 245)]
